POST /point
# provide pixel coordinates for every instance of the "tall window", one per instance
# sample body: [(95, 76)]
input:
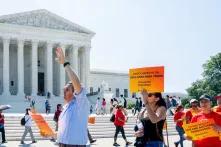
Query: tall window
[(117, 92), (125, 92)]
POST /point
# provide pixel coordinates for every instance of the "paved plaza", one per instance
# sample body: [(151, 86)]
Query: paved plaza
[(101, 142)]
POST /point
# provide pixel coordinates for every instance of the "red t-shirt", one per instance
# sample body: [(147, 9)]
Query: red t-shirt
[(56, 115), (190, 113), (2, 121), (179, 115), (119, 114), (217, 109), (210, 141)]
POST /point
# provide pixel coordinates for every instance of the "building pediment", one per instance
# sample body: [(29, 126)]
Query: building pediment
[(43, 19)]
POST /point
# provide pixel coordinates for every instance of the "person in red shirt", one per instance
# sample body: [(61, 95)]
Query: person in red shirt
[(57, 114), (218, 107), (119, 122), (178, 118), (2, 128), (207, 114), (194, 104)]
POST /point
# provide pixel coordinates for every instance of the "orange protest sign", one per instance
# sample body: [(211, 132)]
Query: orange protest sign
[(43, 126), (148, 78), (200, 130), (91, 119)]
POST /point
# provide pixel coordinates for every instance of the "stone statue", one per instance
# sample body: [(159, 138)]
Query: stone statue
[(104, 86)]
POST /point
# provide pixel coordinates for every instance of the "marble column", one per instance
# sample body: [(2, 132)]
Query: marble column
[(62, 73), (49, 69), (34, 67), (82, 66), (6, 42), (75, 59), (21, 68), (87, 66)]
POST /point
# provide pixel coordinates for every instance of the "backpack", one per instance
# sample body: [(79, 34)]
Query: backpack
[(23, 121), (174, 102), (112, 119)]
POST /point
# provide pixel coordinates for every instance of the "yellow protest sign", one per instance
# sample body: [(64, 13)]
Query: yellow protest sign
[(148, 78), (200, 130)]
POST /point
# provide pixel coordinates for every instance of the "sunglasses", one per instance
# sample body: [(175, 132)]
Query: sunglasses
[(150, 95), (66, 89)]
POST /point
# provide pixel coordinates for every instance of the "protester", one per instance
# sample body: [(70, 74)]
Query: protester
[(32, 103), (218, 107), (153, 121), (174, 101), (91, 109), (111, 106), (47, 107), (194, 104), (73, 120), (115, 100), (140, 104), (56, 115), (2, 127), (28, 124), (98, 106), (137, 106), (179, 117), (119, 122), (125, 103), (140, 141), (207, 114), (103, 107), (169, 105)]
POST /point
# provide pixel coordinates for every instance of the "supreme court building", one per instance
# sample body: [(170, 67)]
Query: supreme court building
[(27, 55)]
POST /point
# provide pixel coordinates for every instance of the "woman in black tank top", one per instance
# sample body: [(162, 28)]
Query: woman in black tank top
[(153, 119)]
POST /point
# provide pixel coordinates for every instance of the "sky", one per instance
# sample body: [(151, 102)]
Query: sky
[(180, 35)]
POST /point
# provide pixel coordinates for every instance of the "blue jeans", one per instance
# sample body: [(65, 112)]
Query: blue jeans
[(181, 134), (154, 144)]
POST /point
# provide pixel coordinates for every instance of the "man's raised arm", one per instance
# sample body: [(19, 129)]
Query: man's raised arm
[(71, 74)]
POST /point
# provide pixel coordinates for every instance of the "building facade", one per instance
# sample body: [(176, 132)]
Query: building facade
[(27, 53), (117, 82)]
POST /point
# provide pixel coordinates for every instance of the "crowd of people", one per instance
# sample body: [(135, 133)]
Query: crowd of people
[(199, 111), (71, 119)]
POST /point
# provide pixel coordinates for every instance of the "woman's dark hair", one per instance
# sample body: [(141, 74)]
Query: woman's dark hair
[(28, 109), (58, 105), (161, 101), (178, 108)]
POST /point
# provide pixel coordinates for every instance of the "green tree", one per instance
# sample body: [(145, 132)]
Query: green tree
[(211, 82)]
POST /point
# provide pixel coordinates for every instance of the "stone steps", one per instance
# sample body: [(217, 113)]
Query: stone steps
[(103, 128)]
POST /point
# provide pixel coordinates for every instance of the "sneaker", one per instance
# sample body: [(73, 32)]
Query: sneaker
[(4, 141), (34, 141), (53, 140), (116, 144), (128, 143), (93, 141), (22, 142)]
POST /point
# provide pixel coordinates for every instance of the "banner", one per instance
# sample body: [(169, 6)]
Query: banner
[(148, 78), (43, 126), (200, 130)]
